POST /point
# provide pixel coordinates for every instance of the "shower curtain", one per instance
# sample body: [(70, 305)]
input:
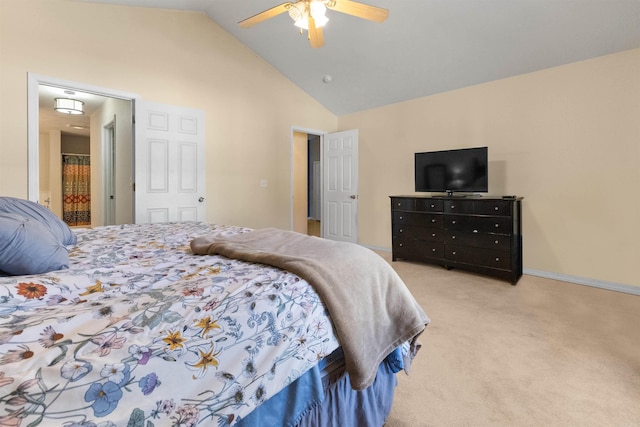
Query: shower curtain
[(76, 189)]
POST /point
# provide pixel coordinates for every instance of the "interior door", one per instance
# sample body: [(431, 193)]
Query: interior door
[(340, 189), (170, 163)]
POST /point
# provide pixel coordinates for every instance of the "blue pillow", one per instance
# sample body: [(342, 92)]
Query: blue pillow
[(29, 209), (28, 247)]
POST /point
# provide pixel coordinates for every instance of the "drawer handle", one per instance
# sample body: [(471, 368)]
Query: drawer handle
[(496, 242), (475, 231), (453, 222), (453, 253), (497, 259), (453, 206), (433, 220), (433, 249), (497, 225), (400, 245), (433, 206), (399, 204), (453, 237), (495, 208), (401, 217), (433, 234), (401, 230)]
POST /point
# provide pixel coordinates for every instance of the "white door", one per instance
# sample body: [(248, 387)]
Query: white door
[(340, 190), (170, 163)]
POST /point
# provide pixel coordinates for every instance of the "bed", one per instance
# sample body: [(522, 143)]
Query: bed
[(139, 330)]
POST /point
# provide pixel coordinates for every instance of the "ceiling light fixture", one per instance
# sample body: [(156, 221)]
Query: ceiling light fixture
[(300, 12), (68, 106)]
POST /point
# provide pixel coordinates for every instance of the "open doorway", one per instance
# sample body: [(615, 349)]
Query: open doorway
[(339, 184), (306, 183), (48, 130), (314, 186)]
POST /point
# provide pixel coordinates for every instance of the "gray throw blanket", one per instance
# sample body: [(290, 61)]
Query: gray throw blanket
[(372, 310)]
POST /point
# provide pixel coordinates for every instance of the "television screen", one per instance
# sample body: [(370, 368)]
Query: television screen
[(462, 170)]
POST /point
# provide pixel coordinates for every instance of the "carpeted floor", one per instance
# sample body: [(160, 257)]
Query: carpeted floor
[(542, 353)]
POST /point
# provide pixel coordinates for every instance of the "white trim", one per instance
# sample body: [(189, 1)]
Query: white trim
[(611, 286), (108, 190), (33, 118), (376, 248), (33, 138)]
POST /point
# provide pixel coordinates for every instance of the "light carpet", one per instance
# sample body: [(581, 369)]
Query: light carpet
[(541, 353)]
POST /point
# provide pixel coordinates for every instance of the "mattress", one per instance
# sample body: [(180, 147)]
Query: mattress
[(140, 331), (138, 328)]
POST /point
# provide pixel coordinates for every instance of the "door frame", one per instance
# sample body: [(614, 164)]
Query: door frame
[(307, 131), (108, 172), (33, 120)]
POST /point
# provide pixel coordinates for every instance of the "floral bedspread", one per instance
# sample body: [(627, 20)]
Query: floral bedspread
[(141, 332)]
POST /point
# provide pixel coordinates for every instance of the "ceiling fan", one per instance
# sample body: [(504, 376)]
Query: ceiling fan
[(310, 15)]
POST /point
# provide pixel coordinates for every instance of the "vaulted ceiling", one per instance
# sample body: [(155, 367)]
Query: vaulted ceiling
[(425, 46)]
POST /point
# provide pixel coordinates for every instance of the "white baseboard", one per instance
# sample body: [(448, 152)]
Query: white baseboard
[(376, 248), (611, 286)]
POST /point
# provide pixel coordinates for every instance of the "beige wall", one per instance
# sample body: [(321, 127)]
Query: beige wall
[(120, 111), (567, 139), (299, 175), (179, 58), (75, 144), (50, 176), (44, 154)]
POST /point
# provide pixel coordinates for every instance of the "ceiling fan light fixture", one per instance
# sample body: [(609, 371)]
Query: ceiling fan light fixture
[(317, 9), (297, 13), (68, 106)]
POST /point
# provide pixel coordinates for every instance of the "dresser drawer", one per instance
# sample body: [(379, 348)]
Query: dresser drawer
[(492, 207), (460, 206), (429, 205), (417, 218), (478, 207), (481, 257), (478, 224), (500, 242), (418, 233), (402, 203), (408, 248)]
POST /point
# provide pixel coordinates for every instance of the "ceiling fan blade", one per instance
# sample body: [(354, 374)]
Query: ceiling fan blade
[(316, 39), (361, 10), (263, 16)]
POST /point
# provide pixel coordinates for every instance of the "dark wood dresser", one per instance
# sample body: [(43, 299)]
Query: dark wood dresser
[(479, 234)]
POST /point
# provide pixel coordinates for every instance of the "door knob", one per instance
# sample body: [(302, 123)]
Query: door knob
[(201, 199), (353, 196)]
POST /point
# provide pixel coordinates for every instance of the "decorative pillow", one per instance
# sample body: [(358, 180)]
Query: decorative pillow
[(29, 209), (28, 247)]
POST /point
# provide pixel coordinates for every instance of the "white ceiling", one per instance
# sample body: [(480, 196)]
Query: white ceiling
[(76, 124), (425, 46)]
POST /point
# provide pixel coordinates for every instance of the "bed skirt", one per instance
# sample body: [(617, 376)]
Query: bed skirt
[(323, 397)]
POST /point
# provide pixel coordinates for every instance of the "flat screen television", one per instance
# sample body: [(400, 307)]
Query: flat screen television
[(463, 170)]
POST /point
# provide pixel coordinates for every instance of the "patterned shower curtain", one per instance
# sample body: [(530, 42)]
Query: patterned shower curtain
[(76, 188)]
